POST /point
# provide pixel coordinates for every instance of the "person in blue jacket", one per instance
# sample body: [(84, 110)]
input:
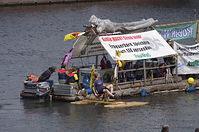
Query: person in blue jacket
[(100, 89)]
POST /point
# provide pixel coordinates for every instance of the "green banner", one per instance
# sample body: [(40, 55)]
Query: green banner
[(178, 32)]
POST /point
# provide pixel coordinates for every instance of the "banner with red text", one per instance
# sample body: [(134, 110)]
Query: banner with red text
[(137, 46)]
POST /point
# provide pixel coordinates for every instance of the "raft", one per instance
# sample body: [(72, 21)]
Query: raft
[(89, 101), (111, 103), (125, 104)]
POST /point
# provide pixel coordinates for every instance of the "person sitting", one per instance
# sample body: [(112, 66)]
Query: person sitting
[(99, 89), (72, 77), (62, 76), (46, 75), (32, 78)]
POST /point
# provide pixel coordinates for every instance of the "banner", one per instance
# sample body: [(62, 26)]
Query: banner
[(178, 32), (188, 58), (136, 46)]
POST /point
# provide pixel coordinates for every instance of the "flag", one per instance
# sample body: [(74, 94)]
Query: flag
[(92, 77), (72, 35), (67, 57), (115, 72), (117, 53)]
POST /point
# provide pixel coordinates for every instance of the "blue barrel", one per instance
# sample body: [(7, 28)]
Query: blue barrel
[(143, 92), (190, 89)]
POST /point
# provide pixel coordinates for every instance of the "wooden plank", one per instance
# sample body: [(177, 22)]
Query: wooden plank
[(126, 104), (172, 24), (87, 101), (80, 102), (197, 32)]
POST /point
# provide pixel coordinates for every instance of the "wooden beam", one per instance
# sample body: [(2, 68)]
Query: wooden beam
[(197, 32), (173, 24)]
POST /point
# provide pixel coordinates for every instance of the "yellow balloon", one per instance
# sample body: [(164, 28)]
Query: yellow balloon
[(190, 80)]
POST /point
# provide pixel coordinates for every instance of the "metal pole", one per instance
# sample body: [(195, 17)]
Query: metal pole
[(144, 65), (195, 14)]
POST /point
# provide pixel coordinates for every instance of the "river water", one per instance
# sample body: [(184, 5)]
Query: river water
[(31, 40)]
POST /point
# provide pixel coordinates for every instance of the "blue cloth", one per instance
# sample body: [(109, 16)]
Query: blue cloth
[(62, 76), (50, 82), (98, 84)]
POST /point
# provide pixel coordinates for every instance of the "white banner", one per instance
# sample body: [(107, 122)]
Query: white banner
[(137, 46), (188, 59)]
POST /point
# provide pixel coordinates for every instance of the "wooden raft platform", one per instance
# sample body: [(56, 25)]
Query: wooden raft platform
[(112, 103)]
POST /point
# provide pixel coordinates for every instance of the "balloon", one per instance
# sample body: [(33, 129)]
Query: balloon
[(190, 80)]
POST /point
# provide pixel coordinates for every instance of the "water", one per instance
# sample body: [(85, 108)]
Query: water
[(31, 40)]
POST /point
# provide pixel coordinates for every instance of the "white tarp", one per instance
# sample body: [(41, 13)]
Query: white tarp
[(105, 25), (188, 58), (137, 46)]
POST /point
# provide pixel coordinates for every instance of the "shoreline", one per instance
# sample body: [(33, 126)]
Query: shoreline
[(41, 2)]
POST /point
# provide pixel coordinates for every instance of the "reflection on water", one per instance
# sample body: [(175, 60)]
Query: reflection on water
[(31, 40)]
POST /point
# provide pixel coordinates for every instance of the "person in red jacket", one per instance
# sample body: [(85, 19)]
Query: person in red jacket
[(62, 75), (72, 78)]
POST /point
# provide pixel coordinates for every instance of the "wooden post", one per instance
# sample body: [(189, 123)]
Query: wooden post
[(116, 81), (96, 61), (144, 65), (165, 128), (197, 32)]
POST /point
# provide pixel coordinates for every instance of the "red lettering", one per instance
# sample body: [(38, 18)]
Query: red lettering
[(117, 38), (137, 37), (127, 37), (106, 39)]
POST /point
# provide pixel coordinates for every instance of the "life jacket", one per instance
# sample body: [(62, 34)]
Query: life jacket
[(72, 78), (62, 74), (62, 71), (33, 78)]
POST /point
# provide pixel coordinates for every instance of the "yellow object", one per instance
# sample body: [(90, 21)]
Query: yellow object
[(87, 101), (92, 77), (71, 36), (75, 76), (125, 104), (119, 63), (190, 80), (79, 102), (123, 62), (117, 53), (75, 83)]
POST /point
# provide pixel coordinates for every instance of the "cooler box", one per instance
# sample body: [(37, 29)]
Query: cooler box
[(64, 90)]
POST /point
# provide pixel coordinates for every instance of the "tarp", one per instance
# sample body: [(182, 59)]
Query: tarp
[(178, 32), (188, 58), (105, 25), (137, 46), (88, 46)]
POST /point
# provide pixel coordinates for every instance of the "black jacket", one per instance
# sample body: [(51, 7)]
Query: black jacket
[(45, 75)]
